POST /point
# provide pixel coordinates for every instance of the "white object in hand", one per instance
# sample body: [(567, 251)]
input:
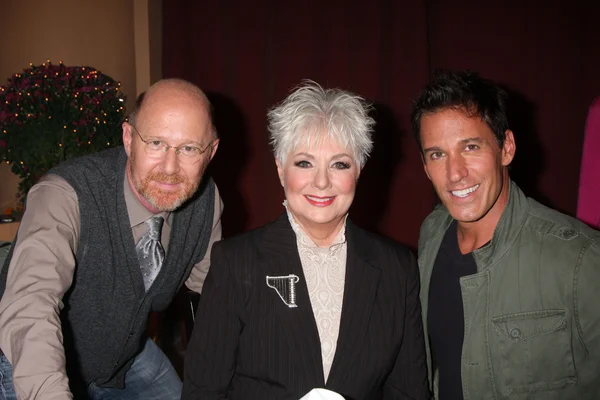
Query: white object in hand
[(322, 394)]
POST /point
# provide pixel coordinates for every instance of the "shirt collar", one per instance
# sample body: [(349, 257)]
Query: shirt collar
[(305, 241)]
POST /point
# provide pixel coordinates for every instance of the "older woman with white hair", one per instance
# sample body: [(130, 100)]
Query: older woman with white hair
[(310, 300)]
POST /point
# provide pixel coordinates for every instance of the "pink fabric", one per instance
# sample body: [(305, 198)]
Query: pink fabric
[(588, 207)]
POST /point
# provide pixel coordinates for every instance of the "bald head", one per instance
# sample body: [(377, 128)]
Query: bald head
[(174, 116), (171, 91)]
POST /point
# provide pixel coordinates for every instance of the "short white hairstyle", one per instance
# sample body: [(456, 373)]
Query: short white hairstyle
[(310, 114)]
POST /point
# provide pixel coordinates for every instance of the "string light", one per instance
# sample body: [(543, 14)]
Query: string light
[(39, 94)]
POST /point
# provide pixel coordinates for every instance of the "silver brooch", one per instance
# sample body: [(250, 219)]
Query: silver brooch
[(285, 286)]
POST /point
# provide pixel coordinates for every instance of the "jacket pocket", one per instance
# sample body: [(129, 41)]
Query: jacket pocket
[(535, 349)]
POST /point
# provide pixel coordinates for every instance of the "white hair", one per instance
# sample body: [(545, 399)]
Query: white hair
[(311, 113)]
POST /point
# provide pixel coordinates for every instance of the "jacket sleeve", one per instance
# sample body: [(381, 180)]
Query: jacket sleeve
[(408, 379), (40, 272), (210, 359), (587, 311)]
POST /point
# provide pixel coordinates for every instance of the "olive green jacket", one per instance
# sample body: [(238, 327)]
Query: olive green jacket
[(532, 310)]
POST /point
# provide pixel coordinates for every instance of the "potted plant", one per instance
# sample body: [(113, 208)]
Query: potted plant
[(50, 113)]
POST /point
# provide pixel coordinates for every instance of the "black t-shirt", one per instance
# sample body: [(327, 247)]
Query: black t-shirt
[(445, 317)]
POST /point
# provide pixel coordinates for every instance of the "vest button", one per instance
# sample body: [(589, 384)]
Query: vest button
[(515, 333)]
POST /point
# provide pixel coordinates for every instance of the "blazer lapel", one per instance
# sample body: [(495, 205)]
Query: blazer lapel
[(280, 258), (362, 280)]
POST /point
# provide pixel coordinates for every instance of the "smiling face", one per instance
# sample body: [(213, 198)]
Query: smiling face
[(176, 117), (466, 165), (319, 183)]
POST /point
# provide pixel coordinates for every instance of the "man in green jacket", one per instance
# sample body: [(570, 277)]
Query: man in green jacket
[(510, 288)]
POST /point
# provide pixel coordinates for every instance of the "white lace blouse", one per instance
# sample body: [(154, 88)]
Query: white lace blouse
[(325, 271)]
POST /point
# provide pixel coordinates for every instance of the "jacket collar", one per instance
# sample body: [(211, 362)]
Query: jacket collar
[(362, 281), (279, 239), (279, 257), (507, 230)]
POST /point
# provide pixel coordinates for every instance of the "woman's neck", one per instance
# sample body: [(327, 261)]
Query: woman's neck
[(322, 235)]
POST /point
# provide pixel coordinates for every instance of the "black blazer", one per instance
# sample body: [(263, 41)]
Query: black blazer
[(247, 344)]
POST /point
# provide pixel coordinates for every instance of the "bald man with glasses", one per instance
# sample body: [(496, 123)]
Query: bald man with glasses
[(105, 240)]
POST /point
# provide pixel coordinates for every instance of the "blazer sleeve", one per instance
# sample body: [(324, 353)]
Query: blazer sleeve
[(408, 379), (212, 351)]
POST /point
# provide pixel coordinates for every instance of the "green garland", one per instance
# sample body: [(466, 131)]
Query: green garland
[(50, 113)]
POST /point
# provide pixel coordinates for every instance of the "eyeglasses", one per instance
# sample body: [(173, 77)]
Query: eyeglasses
[(187, 154)]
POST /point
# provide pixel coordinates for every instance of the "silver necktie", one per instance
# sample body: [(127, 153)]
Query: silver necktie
[(150, 252)]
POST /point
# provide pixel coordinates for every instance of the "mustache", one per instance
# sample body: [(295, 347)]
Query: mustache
[(164, 178)]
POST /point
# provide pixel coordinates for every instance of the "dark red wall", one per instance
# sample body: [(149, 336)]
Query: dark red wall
[(249, 56)]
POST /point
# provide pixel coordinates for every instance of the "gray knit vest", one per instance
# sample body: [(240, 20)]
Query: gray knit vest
[(105, 314)]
